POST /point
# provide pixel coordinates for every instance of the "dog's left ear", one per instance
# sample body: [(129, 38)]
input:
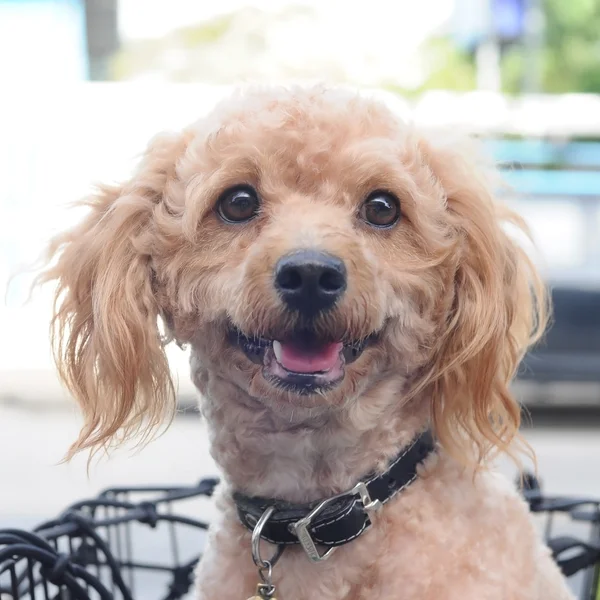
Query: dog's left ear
[(106, 339), (497, 309)]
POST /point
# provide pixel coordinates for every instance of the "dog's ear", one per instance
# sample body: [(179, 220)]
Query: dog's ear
[(497, 308), (106, 339)]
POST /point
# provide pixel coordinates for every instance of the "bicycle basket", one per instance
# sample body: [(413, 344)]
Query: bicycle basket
[(105, 548), (571, 527)]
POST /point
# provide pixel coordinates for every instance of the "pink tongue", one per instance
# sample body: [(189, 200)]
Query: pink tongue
[(310, 360)]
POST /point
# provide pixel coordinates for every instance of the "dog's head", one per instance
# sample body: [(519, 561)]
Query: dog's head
[(308, 246)]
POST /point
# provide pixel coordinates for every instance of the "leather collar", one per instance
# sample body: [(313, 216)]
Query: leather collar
[(340, 519)]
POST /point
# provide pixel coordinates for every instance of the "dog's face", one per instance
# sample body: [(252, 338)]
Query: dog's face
[(307, 245), (307, 278)]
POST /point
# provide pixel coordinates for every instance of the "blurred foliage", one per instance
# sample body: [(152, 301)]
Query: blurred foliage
[(447, 67), (173, 54), (569, 57), (225, 49), (571, 60), (208, 33), (237, 46)]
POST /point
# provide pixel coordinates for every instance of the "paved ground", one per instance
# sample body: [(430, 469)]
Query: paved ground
[(34, 485)]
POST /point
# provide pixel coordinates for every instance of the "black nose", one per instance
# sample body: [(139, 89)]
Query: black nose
[(310, 281)]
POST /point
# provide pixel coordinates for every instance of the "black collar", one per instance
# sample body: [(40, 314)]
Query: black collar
[(338, 520)]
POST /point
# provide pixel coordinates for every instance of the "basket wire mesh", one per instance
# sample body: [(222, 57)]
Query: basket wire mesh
[(106, 548)]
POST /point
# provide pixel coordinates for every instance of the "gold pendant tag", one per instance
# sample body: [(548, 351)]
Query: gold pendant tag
[(264, 592)]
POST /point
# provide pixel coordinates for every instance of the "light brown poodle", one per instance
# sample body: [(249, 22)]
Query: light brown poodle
[(345, 284)]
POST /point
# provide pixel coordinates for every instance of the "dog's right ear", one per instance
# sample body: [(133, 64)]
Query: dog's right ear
[(105, 334)]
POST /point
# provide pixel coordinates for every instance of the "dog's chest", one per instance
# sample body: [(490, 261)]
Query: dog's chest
[(367, 569), (389, 562)]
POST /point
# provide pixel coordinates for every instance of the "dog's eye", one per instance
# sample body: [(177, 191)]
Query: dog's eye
[(238, 204), (380, 209)]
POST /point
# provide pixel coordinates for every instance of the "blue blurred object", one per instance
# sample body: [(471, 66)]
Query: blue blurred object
[(475, 21), (508, 19), (546, 152), (554, 183)]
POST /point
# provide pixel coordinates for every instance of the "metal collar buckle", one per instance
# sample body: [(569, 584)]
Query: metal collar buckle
[(300, 528)]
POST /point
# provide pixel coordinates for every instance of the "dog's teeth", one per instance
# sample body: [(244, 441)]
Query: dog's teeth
[(277, 350)]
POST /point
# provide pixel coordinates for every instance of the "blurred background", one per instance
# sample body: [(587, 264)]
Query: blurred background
[(85, 83)]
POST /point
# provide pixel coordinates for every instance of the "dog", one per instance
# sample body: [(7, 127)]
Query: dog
[(355, 309)]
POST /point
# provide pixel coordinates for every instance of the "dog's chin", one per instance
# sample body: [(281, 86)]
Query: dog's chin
[(302, 363)]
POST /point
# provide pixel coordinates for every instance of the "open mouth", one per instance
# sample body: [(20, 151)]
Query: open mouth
[(302, 363)]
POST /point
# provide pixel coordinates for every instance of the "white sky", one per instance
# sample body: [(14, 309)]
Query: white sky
[(375, 19), (57, 28), (154, 18)]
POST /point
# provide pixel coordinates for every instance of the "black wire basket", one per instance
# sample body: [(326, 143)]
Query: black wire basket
[(571, 528), (107, 548)]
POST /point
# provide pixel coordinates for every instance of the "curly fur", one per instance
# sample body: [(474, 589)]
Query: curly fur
[(455, 299)]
